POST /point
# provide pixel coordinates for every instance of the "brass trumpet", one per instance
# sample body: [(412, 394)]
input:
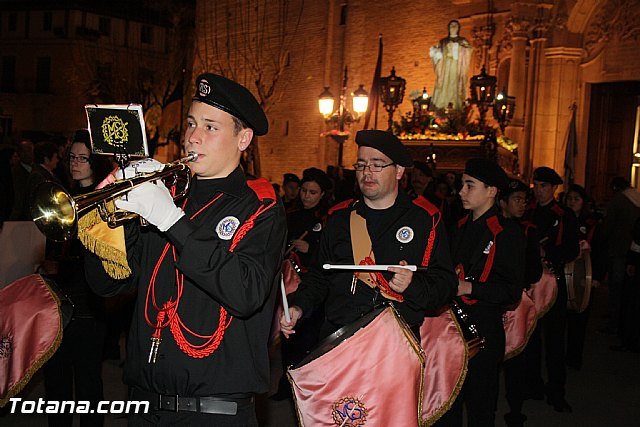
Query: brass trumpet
[(56, 213)]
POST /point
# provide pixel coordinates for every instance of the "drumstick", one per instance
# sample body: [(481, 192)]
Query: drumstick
[(293, 247), (285, 303), (376, 267)]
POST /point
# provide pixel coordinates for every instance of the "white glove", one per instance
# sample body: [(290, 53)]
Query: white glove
[(152, 202), (147, 165)]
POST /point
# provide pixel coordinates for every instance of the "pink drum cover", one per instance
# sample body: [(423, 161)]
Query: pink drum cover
[(518, 326), (373, 378), (446, 361), (543, 293), (30, 332)]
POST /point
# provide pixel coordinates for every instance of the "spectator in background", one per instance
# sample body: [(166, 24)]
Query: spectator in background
[(8, 161), (20, 172), (421, 178), (622, 212), (291, 189), (75, 370)]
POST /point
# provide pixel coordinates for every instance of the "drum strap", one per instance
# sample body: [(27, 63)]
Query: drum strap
[(363, 254)]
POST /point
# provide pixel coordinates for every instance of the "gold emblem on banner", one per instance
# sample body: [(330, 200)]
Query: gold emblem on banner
[(114, 131)]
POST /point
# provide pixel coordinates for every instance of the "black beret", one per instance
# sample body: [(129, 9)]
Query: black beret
[(233, 98), (487, 171), (514, 186), (82, 135), (545, 174), (318, 176), (386, 143), (290, 177), (423, 167)]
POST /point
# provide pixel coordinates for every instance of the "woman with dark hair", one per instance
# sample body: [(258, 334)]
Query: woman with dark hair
[(304, 230), (77, 364), (578, 201)]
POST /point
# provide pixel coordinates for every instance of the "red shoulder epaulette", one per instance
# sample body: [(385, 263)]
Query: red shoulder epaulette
[(262, 188), (342, 205), (426, 205), (462, 221)]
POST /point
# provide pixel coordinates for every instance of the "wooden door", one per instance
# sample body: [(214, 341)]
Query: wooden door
[(612, 119)]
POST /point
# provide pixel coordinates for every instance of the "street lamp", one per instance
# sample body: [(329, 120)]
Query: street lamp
[(391, 93), (342, 116), (504, 108)]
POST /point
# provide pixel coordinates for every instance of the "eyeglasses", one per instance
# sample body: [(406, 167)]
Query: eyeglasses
[(79, 159), (375, 167)]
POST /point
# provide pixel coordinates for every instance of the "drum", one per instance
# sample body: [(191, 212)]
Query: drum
[(447, 357), (30, 331), (369, 372), (519, 325), (579, 280)]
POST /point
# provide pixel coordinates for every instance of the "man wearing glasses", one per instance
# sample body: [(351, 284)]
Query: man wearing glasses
[(401, 231)]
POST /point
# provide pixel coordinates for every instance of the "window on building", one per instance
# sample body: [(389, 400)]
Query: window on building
[(13, 21), (43, 75), (8, 76), (6, 124), (343, 15), (104, 25), (47, 21), (146, 35)]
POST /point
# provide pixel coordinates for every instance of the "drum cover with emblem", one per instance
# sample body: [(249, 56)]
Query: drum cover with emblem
[(367, 373)]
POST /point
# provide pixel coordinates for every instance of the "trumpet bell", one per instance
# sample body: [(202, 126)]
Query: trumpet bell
[(54, 211)]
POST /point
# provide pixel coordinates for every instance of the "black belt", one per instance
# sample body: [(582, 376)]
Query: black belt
[(204, 404)]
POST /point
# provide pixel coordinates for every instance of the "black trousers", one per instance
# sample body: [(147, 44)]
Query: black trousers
[(77, 364), (479, 394), (246, 417), (549, 339)]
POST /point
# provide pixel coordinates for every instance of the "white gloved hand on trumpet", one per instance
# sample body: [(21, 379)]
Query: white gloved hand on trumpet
[(154, 203)]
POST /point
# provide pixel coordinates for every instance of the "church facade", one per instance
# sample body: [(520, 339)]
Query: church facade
[(550, 55)]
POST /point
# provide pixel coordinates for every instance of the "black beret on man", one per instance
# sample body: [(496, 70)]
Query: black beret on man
[(290, 177), (233, 98), (386, 143), (487, 171), (546, 174)]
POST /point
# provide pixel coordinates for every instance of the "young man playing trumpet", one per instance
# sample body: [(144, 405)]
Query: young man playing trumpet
[(206, 273)]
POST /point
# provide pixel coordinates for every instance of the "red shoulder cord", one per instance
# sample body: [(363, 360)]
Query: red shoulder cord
[(168, 314)]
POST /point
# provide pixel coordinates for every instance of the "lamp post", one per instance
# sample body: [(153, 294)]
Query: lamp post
[(504, 108), (342, 117), (391, 93), (483, 93)]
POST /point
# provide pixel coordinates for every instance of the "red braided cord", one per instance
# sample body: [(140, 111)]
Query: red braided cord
[(382, 283)]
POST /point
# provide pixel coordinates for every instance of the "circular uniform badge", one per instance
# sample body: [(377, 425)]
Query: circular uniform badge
[(317, 227), (404, 234), (227, 226)]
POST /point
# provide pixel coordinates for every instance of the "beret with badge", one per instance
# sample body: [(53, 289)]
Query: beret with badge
[(487, 171), (546, 174), (387, 144), (232, 98)]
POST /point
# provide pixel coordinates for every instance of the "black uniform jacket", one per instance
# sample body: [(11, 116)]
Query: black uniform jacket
[(427, 291), (558, 230), (311, 221), (471, 245), (244, 282)]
